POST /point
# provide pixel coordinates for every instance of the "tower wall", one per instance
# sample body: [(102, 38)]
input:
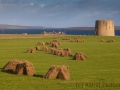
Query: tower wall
[(104, 28)]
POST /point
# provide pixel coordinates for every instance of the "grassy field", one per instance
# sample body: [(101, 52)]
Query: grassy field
[(101, 70)]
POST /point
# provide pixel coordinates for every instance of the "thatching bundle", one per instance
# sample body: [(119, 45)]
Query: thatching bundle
[(79, 56), (102, 40), (52, 72), (44, 48), (51, 50), (52, 44), (40, 43), (66, 52), (55, 40), (55, 44), (11, 66), (37, 48), (58, 52), (66, 38), (29, 68), (48, 43), (58, 43), (60, 72), (20, 67), (75, 38), (64, 73), (81, 41), (110, 41), (72, 41), (113, 40), (55, 52), (30, 50)]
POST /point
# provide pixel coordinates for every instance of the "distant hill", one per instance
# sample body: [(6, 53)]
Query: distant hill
[(87, 28), (117, 27), (4, 26), (80, 28)]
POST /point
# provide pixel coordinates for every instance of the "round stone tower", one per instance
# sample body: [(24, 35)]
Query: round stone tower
[(104, 28)]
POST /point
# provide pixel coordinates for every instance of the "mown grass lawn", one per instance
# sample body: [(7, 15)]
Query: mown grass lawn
[(101, 70)]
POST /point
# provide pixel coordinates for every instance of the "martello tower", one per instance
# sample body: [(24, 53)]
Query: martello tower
[(104, 28)]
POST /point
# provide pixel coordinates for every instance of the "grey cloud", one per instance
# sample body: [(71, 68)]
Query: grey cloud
[(13, 1), (65, 11)]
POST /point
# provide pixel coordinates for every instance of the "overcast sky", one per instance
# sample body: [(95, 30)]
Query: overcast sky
[(58, 13)]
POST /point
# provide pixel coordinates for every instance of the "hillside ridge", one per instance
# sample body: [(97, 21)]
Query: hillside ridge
[(5, 26)]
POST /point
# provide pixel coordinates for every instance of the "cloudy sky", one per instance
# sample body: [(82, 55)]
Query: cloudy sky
[(58, 13)]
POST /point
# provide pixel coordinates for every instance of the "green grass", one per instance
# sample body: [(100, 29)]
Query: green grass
[(101, 70)]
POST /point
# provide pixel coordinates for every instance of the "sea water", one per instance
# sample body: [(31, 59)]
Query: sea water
[(38, 31)]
